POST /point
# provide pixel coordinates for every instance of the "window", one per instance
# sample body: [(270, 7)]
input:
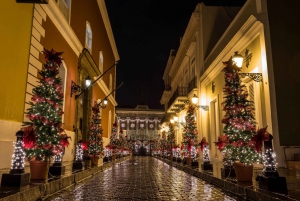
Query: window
[(110, 82), (63, 75), (101, 62), (254, 95), (88, 37), (109, 123)]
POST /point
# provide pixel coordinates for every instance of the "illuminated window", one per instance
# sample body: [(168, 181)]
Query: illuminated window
[(88, 37), (110, 82), (101, 61), (63, 77)]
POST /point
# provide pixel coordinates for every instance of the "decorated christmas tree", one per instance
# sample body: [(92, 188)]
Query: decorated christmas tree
[(114, 140), (171, 139), (163, 143), (44, 136), (189, 136), (95, 143), (239, 119), (123, 142)]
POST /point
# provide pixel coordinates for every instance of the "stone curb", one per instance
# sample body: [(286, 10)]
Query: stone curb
[(41, 190), (244, 192)]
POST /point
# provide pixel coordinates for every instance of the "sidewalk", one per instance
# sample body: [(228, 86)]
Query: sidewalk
[(37, 190), (249, 191)]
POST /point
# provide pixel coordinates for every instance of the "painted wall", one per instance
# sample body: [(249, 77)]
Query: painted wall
[(54, 40), (15, 20), (82, 12), (285, 43)]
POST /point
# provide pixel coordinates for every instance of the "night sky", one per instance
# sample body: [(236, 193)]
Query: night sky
[(145, 31)]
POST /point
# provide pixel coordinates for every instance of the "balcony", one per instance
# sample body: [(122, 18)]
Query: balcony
[(192, 84), (178, 98), (63, 7), (167, 88)]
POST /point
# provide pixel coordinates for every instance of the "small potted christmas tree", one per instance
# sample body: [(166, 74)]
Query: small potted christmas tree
[(114, 142), (44, 135), (189, 137), (171, 141), (206, 156), (95, 143)]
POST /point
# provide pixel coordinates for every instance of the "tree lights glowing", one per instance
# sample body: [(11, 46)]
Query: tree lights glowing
[(171, 138), (44, 136), (18, 157), (95, 143), (189, 136), (239, 119)]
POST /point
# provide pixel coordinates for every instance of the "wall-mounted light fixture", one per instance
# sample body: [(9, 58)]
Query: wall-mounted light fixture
[(237, 60), (88, 83), (195, 101), (104, 101), (77, 89), (99, 103)]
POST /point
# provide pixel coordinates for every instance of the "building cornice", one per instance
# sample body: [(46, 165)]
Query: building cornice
[(62, 26), (185, 43), (108, 28)]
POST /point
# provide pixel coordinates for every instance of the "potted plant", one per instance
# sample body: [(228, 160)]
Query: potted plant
[(95, 143), (189, 137), (44, 135), (239, 125)]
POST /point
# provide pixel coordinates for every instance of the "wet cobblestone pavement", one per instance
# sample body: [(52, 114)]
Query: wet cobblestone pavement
[(142, 178)]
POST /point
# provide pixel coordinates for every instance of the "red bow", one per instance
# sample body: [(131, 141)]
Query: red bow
[(222, 141), (53, 56), (29, 136), (261, 135), (203, 143), (65, 140)]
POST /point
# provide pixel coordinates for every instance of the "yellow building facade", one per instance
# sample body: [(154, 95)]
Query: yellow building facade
[(83, 32)]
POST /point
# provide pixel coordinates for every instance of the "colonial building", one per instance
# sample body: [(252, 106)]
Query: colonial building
[(140, 124), (265, 35), (82, 31)]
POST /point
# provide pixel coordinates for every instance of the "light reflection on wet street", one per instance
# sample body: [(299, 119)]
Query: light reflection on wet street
[(143, 178)]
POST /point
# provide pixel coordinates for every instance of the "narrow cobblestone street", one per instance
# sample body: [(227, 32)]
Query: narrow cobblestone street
[(142, 178)]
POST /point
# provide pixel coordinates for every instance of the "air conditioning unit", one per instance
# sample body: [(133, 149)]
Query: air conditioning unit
[(33, 1)]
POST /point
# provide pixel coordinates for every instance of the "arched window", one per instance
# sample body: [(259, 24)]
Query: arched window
[(110, 82), (88, 37), (101, 61), (63, 77), (109, 124)]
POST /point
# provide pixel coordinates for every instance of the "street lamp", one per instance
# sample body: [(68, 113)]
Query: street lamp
[(76, 88), (195, 101), (88, 82), (237, 60)]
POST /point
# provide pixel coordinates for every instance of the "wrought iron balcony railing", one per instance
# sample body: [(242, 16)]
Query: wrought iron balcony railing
[(193, 84), (167, 88), (180, 91)]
